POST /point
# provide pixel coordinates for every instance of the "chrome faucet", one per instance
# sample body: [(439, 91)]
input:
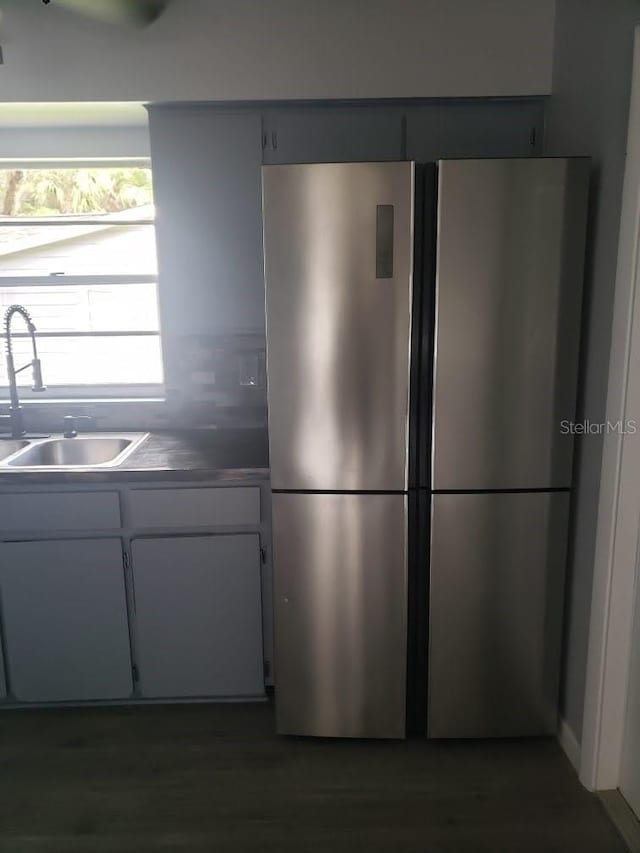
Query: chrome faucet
[(16, 416)]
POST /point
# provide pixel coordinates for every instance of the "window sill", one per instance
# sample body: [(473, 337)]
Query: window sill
[(29, 402), (107, 413)]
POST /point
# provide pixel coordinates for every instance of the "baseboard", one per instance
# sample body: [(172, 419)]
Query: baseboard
[(622, 818), (569, 743)]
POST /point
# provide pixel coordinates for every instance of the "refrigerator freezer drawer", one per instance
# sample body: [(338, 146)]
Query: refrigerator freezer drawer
[(340, 563), (510, 251), (496, 593)]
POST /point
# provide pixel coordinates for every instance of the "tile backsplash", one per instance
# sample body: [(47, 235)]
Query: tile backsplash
[(216, 380), (210, 381)]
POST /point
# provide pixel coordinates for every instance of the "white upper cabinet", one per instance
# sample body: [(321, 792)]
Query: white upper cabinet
[(206, 179), (507, 128), (333, 135)]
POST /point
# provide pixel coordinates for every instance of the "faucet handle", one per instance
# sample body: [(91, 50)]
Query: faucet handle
[(70, 424)]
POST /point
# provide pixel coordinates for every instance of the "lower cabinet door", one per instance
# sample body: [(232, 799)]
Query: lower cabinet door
[(65, 620), (198, 616)]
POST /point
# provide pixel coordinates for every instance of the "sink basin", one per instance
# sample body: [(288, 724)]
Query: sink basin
[(11, 445), (81, 452)]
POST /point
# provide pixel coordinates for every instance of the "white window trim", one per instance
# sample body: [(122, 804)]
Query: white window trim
[(56, 393), (86, 393)]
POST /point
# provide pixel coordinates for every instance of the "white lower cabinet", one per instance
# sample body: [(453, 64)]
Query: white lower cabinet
[(198, 616), (65, 620)]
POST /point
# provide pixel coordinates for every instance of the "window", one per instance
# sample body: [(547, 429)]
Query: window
[(77, 249)]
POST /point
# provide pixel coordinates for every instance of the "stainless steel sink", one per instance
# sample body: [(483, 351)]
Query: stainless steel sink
[(8, 446), (91, 451)]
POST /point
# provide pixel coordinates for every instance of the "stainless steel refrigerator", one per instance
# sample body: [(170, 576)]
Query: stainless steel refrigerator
[(422, 344)]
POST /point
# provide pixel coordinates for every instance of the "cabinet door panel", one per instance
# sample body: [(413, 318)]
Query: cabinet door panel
[(65, 620), (337, 135), (484, 129), (206, 178), (198, 616)]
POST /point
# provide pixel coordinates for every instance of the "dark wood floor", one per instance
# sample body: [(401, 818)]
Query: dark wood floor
[(217, 778)]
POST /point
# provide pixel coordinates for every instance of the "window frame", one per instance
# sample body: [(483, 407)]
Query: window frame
[(80, 392)]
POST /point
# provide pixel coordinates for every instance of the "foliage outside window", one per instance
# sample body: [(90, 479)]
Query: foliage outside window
[(77, 248)]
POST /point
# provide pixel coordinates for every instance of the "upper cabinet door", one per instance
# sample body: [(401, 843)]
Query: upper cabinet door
[(510, 251), (474, 129), (206, 176), (333, 135)]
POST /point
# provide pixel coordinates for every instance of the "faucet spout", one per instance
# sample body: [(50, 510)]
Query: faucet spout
[(15, 411)]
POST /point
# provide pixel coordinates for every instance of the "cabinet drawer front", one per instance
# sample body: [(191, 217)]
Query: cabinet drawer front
[(60, 511), (195, 507)]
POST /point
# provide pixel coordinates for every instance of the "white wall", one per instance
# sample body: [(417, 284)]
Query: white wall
[(588, 114), (257, 49)]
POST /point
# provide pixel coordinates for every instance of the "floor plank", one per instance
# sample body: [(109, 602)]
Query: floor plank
[(216, 777)]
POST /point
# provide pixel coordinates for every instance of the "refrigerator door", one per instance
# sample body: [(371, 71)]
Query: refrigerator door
[(340, 563), (510, 250), (495, 624), (338, 263)]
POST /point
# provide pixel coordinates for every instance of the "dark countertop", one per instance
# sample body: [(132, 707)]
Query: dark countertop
[(189, 455)]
